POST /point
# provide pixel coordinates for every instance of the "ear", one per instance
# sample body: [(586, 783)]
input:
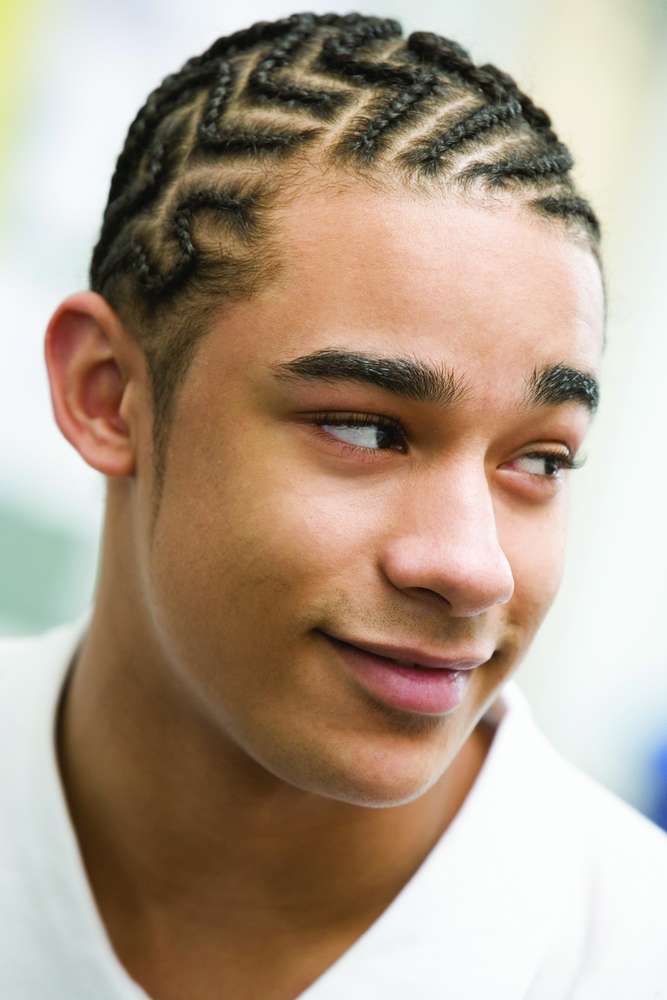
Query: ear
[(94, 370)]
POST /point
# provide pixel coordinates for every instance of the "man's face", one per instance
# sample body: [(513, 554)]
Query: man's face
[(401, 498)]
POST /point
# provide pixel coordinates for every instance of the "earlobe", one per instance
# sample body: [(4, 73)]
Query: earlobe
[(87, 351)]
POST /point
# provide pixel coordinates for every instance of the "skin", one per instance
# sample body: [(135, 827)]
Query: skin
[(245, 809)]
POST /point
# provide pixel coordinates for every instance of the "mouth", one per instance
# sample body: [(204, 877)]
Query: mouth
[(408, 679)]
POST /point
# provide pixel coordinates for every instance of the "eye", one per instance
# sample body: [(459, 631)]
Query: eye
[(363, 430), (547, 464)]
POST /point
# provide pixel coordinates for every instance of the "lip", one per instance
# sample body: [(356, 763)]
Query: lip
[(421, 683)]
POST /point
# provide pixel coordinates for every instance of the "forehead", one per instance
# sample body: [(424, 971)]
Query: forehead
[(452, 281)]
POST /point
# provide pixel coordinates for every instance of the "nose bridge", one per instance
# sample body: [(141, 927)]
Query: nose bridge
[(447, 540)]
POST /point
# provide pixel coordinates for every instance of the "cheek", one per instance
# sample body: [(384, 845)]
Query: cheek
[(535, 547), (243, 538)]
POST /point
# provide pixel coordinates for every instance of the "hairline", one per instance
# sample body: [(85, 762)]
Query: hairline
[(300, 176)]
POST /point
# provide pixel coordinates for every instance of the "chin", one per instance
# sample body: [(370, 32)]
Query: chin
[(376, 796), (376, 777), (378, 791)]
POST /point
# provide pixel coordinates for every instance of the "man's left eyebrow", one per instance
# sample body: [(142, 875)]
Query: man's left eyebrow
[(409, 378), (558, 384)]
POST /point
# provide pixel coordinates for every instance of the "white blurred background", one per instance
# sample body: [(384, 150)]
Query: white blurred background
[(72, 75)]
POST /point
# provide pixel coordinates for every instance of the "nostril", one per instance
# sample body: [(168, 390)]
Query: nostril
[(432, 593)]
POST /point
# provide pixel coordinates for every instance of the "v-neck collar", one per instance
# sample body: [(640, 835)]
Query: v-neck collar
[(477, 919)]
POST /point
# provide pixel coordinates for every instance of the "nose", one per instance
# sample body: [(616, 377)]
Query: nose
[(444, 540)]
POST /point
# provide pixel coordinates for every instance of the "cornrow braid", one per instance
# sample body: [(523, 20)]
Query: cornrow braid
[(535, 169), (256, 141), (568, 208), (214, 107), (187, 222)]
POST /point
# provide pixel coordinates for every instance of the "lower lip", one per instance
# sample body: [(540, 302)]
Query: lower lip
[(424, 690)]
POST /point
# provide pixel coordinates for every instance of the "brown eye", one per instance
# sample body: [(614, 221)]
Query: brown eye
[(546, 464), (367, 431), (372, 436)]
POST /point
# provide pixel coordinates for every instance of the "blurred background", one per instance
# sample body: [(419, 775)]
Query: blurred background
[(72, 75)]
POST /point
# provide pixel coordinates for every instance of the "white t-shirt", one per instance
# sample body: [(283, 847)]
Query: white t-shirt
[(544, 887)]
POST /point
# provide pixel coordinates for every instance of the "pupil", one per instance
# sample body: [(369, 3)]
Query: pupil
[(384, 439), (551, 466)]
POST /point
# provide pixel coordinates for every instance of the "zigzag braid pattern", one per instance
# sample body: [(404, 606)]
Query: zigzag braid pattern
[(236, 209), (178, 87), (162, 163), (441, 65), (338, 56), (428, 154), (455, 62), (217, 137), (250, 140), (495, 85), (174, 91), (263, 86), (364, 141)]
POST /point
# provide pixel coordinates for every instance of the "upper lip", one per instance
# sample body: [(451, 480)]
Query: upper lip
[(417, 657)]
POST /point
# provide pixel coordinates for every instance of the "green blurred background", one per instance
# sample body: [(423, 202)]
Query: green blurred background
[(45, 576)]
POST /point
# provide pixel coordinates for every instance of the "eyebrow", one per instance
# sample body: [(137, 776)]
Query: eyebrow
[(554, 385), (416, 380), (405, 377)]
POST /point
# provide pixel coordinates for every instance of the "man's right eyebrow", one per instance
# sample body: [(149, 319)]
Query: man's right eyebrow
[(408, 378)]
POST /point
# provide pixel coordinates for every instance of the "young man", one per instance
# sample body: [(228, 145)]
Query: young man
[(338, 359)]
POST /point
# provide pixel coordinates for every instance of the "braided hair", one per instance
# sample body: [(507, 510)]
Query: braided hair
[(207, 155)]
